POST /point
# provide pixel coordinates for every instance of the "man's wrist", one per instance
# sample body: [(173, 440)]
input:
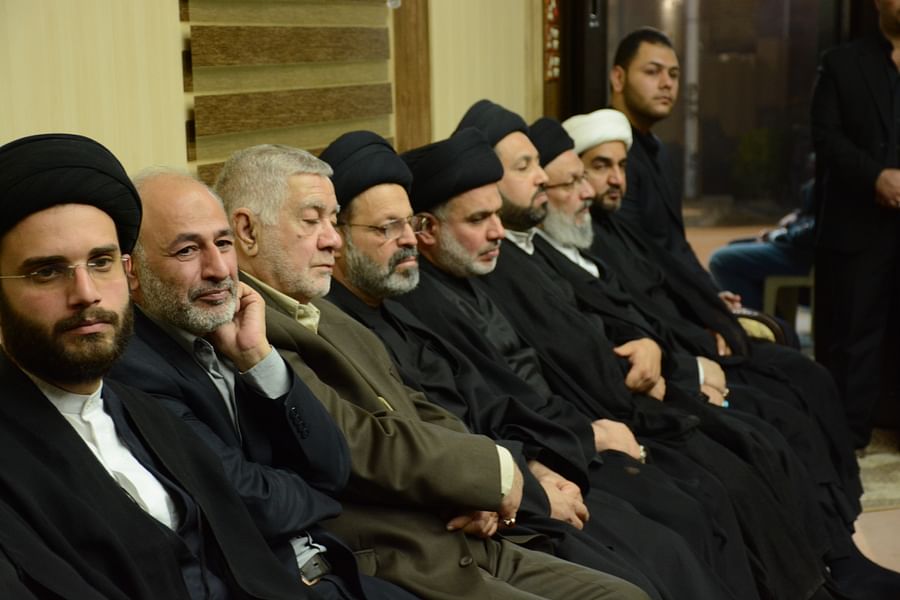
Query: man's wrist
[(507, 470)]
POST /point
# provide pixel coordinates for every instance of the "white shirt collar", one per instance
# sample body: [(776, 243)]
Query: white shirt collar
[(523, 239)]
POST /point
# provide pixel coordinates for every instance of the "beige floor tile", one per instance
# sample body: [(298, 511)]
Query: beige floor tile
[(878, 536)]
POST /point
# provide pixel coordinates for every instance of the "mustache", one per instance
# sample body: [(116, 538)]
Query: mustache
[(226, 285), (88, 316), (489, 248), (401, 255)]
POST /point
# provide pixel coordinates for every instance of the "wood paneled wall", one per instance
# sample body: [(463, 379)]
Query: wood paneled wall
[(297, 72)]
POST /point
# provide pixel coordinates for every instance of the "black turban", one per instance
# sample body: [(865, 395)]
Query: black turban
[(361, 160), (41, 171), (446, 169), (550, 139), (494, 121)]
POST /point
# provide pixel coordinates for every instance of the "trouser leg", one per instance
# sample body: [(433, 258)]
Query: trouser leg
[(516, 573), (854, 297)]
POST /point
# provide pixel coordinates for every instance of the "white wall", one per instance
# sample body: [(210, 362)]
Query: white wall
[(484, 49), (108, 69)]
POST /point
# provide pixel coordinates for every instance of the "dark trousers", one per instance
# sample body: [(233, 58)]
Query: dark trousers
[(856, 329), (332, 588)]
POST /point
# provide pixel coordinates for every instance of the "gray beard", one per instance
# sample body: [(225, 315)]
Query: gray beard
[(377, 281), (562, 228), (166, 304)]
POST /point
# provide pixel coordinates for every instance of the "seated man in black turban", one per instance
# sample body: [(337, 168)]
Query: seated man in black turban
[(424, 495), (584, 366), (590, 522), (105, 494)]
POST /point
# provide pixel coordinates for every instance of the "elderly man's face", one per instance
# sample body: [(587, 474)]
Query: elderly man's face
[(186, 267), (379, 256), (66, 326), (468, 239), (522, 186), (297, 253), (604, 166), (571, 195)]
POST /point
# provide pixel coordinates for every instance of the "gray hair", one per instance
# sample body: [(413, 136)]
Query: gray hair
[(256, 178)]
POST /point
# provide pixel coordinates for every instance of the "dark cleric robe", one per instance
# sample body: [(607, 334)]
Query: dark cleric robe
[(69, 530), (774, 528), (449, 377), (688, 308), (820, 483), (460, 311)]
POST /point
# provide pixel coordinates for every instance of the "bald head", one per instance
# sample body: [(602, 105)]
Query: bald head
[(185, 265)]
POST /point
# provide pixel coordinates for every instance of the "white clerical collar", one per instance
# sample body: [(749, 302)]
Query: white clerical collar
[(523, 239), (572, 253), (66, 402)]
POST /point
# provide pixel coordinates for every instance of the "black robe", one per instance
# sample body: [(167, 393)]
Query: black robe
[(492, 401), (603, 295), (70, 528), (775, 527), (459, 310), (685, 308)]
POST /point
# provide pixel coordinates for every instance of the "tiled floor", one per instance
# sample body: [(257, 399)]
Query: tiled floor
[(877, 536), (704, 240)]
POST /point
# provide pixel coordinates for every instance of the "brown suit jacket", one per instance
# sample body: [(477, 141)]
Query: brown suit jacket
[(414, 464)]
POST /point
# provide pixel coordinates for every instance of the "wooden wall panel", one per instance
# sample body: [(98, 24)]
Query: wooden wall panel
[(304, 136), (275, 77), (238, 45), (412, 67), (295, 72), (230, 113), (345, 13)]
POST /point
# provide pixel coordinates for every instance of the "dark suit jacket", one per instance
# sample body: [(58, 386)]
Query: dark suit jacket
[(653, 205), (289, 459), (399, 495), (855, 138), (98, 543)]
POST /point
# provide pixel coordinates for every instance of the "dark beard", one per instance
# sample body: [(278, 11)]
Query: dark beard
[(520, 218), (43, 355)]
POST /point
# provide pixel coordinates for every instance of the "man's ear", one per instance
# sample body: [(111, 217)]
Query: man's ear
[(427, 235), (134, 284), (617, 79), (246, 231)]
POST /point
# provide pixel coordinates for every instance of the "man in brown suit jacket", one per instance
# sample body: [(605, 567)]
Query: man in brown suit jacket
[(424, 494)]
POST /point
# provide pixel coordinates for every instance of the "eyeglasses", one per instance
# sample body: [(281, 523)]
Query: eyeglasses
[(568, 185), (103, 268), (394, 229)]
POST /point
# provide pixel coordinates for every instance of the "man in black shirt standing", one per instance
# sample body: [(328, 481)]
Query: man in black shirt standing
[(855, 127)]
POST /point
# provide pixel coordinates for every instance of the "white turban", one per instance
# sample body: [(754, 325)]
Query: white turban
[(598, 127)]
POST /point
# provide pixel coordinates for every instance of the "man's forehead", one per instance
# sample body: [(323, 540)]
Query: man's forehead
[(177, 208), (613, 150), (567, 162), (52, 232), (312, 190), (514, 146), (484, 198), (383, 201), (650, 53)]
